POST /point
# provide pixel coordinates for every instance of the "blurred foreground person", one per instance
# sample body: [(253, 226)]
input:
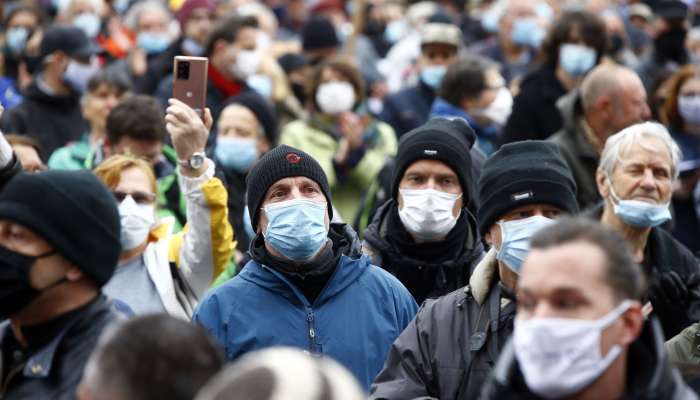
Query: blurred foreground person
[(638, 168), (151, 357), (579, 331), (266, 375), (308, 284), (518, 197), (59, 244)]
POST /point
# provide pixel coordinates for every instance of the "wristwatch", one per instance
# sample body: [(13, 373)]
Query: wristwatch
[(195, 161)]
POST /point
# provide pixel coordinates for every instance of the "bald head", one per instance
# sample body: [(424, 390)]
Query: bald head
[(613, 98)]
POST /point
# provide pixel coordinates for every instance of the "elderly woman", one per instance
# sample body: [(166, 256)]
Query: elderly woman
[(638, 168), (350, 145), (158, 271)]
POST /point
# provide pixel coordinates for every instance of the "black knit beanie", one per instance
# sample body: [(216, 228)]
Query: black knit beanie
[(74, 212), (282, 162), (262, 109), (318, 33), (441, 139), (521, 173)]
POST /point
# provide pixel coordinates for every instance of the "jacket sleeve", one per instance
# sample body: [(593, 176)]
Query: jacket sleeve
[(407, 372), (203, 249)]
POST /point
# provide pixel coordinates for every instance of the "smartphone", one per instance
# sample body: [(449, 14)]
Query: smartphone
[(190, 82)]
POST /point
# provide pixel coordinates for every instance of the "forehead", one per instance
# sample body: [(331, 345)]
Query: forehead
[(562, 267), (134, 176), (291, 182), (429, 166), (7, 226), (693, 83), (646, 150), (236, 113)]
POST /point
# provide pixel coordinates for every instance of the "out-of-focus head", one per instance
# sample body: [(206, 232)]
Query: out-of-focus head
[(265, 375)]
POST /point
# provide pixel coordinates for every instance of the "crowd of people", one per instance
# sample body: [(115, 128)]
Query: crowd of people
[(383, 199)]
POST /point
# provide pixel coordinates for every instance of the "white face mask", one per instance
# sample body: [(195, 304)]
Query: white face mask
[(89, 23), (559, 357), (500, 108), (246, 64), (427, 213), (335, 97), (137, 220)]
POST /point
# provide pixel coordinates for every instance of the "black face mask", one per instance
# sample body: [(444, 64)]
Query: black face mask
[(670, 46), (617, 43), (16, 291)]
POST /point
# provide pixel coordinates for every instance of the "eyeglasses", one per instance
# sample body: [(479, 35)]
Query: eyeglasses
[(138, 196)]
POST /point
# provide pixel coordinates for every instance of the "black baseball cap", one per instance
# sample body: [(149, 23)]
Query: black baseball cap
[(70, 40)]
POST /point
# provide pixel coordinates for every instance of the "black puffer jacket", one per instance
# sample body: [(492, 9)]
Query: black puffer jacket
[(649, 372), (423, 279)]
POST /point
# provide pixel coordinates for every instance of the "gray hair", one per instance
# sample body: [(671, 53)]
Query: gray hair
[(131, 20), (626, 138)]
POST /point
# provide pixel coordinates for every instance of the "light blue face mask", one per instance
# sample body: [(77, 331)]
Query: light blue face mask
[(515, 239), (576, 59), (152, 43), (432, 75), (395, 30), (639, 213), (16, 39), (237, 154), (262, 84), (527, 32), (89, 23), (296, 228), (192, 48)]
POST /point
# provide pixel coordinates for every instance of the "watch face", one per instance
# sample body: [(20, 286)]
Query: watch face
[(196, 161)]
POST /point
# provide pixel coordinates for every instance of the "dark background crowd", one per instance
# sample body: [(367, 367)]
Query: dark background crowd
[(366, 206)]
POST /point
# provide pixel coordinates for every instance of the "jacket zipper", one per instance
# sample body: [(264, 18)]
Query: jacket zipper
[(312, 330)]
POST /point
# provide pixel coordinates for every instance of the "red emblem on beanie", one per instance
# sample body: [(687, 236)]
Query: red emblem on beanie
[(293, 158)]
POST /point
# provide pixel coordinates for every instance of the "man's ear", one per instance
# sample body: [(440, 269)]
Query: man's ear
[(603, 183), (632, 324)]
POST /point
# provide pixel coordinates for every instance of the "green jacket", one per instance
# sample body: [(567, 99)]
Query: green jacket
[(685, 347), (346, 191)]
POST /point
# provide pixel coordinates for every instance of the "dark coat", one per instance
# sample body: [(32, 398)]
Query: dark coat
[(663, 253), (422, 279), (54, 371), (52, 121), (408, 108), (577, 151), (535, 114), (649, 372), (448, 350)]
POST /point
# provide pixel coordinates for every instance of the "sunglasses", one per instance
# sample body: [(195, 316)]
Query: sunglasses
[(138, 196)]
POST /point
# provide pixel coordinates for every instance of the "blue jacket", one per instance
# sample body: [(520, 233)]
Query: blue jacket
[(354, 320)]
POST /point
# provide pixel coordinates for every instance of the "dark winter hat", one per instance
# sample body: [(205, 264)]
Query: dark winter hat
[(279, 163), (292, 62), (183, 14), (263, 110), (441, 139), (74, 212), (520, 173), (670, 9), (318, 33), (70, 40)]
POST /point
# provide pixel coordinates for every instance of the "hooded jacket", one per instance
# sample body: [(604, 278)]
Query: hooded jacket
[(423, 279), (577, 151), (448, 350), (354, 319), (649, 372), (52, 121)]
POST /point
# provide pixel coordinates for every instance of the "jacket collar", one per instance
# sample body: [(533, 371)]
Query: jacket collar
[(483, 276), (351, 265), (40, 364)]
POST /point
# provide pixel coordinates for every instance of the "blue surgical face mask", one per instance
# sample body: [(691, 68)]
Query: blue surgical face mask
[(192, 48), (89, 23), (237, 154), (639, 213), (16, 39), (576, 59), (432, 75), (296, 228), (527, 32), (515, 239), (153, 43), (262, 84)]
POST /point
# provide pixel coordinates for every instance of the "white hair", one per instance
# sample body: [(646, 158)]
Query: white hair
[(622, 141), (131, 20)]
